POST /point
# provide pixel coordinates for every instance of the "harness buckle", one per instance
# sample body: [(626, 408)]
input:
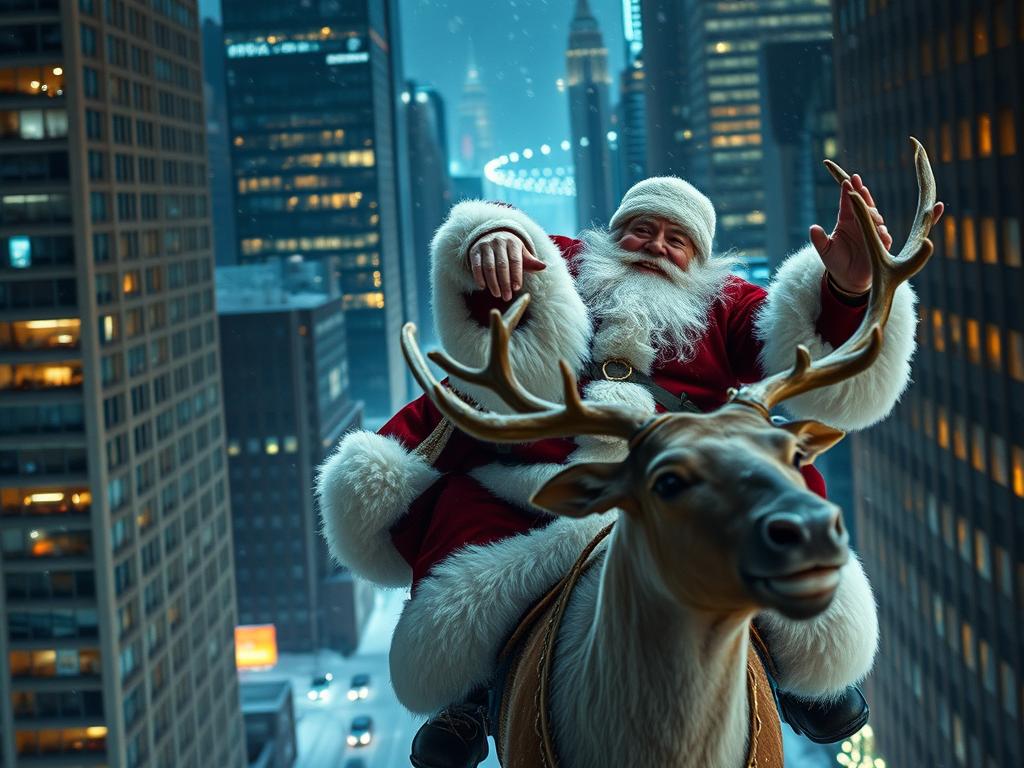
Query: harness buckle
[(611, 376)]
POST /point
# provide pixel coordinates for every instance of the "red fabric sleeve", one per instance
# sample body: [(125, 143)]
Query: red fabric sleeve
[(837, 320), (740, 305)]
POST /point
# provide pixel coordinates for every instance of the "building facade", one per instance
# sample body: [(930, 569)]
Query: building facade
[(286, 384), (941, 483), (631, 112), (117, 604), (587, 82), (475, 136), (313, 91), (431, 187), (704, 113)]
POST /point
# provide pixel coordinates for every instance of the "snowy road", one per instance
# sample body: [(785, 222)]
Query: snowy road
[(322, 726)]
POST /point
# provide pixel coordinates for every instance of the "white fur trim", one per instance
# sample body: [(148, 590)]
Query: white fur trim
[(557, 325), (820, 657), (624, 340), (517, 483), (447, 640), (365, 486), (788, 317)]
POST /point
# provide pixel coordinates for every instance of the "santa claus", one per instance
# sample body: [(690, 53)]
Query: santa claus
[(644, 313)]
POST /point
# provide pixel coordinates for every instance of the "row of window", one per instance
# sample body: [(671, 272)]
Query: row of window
[(978, 138), (40, 502), (172, 139), (148, 243), (999, 346), (997, 241)]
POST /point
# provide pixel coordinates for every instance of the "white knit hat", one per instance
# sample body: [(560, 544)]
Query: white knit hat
[(674, 199)]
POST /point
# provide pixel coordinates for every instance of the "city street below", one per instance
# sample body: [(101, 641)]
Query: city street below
[(322, 726)]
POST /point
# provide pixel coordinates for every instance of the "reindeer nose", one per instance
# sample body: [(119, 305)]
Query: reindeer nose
[(819, 529)]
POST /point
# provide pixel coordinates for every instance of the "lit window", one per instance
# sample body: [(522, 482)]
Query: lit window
[(980, 35), (1016, 355), (947, 143), (967, 643), (964, 131), (973, 341), (978, 447), (960, 437), (955, 332), (938, 333), (963, 539), (949, 225), (291, 444), (234, 448), (1018, 471), (1007, 132), (942, 435), (988, 672), (967, 238), (271, 446), (984, 135), (994, 346), (989, 245), (937, 615)]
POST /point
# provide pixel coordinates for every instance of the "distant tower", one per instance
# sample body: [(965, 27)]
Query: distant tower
[(587, 80), (476, 146)]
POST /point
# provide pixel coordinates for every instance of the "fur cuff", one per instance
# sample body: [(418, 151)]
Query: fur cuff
[(819, 658), (363, 489), (448, 638), (557, 325), (789, 317)]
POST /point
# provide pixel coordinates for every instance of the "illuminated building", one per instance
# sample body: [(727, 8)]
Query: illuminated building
[(313, 94), (941, 482), (475, 143), (586, 61), (631, 112), (286, 385), (117, 604), (704, 112)]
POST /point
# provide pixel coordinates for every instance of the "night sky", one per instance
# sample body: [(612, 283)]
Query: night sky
[(520, 49)]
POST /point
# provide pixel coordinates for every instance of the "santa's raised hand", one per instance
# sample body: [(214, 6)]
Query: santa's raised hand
[(843, 252)]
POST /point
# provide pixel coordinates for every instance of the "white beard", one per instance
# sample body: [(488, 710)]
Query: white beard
[(645, 317)]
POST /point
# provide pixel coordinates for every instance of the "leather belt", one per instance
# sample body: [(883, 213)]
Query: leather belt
[(620, 370)]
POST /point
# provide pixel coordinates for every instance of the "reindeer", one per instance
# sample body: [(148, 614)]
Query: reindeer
[(645, 656)]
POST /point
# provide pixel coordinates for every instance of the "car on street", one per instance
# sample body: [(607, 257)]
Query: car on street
[(361, 732), (359, 688), (320, 687)]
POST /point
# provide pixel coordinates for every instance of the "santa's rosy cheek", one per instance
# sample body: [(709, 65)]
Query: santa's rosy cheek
[(631, 243)]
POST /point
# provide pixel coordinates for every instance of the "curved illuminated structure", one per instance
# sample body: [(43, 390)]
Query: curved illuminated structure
[(543, 171)]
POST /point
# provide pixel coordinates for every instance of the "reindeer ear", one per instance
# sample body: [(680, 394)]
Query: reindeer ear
[(815, 438), (585, 489)]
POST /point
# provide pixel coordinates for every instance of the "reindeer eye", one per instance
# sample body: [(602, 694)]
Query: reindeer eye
[(669, 485)]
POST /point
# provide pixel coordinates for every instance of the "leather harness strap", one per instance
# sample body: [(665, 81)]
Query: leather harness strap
[(528, 656), (619, 370)]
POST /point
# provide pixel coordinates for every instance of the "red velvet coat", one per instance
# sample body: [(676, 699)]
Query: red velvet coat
[(457, 511)]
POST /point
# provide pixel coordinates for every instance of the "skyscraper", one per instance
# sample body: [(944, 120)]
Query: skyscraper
[(941, 482), (118, 606), (704, 113), (587, 81), (431, 188), (475, 142), (286, 383), (312, 94), (632, 107)]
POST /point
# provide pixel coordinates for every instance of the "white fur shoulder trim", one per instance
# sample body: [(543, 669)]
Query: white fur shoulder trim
[(448, 638), (557, 325), (789, 316), (364, 488), (820, 657)]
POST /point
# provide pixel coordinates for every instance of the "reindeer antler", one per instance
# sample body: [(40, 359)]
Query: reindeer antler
[(887, 272), (535, 418)]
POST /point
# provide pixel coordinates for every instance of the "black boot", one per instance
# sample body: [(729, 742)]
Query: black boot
[(826, 724), (456, 737)]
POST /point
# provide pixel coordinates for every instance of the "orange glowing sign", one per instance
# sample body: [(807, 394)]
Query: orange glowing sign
[(255, 646)]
